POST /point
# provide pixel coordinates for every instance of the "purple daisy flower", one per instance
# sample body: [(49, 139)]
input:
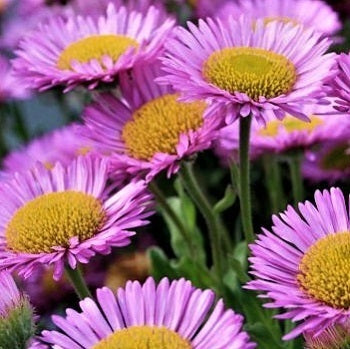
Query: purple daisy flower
[(148, 130), (330, 162), (66, 215), (303, 265), (83, 50), (340, 85), (168, 315), (266, 70), (313, 14), (62, 145), (280, 136)]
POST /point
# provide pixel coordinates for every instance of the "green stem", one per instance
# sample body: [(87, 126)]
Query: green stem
[(163, 203), (76, 278), (244, 178), (296, 178), (274, 183), (191, 184)]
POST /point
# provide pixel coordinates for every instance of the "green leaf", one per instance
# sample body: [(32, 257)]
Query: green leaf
[(160, 264), (227, 201)]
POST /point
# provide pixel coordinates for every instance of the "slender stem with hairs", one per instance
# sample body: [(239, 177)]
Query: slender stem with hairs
[(296, 178), (244, 178), (193, 188), (76, 279)]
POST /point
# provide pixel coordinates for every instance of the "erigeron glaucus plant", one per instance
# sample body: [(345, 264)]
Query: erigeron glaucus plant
[(176, 141)]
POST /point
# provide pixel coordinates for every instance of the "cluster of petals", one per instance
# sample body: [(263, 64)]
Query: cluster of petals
[(176, 305), (62, 145), (125, 210), (40, 50), (189, 50), (315, 14), (276, 256), (106, 118), (329, 127)]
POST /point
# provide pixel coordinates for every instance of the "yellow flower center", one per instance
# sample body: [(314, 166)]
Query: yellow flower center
[(95, 47), (253, 71), (281, 19), (157, 126), (338, 158), (52, 219), (324, 270), (143, 337), (290, 124)]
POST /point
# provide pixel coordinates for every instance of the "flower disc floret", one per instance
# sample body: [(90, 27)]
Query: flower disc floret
[(324, 270), (95, 48), (156, 126), (253, 71), (52, 219), (143, 337)]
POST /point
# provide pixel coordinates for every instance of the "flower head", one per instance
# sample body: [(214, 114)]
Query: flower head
[(63, 145), (148, 130), (16, 315), (281, 136), (329, 162), (266, 70), (168, 316), (303, 264), (66, 215), (315, 14), (84, 50)]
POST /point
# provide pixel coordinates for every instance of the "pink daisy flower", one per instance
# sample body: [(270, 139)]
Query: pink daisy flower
[(148, 130), (330, 162), (280, 136), (66, 216), (62, 145), (168, 315), (303, 265), (83, 50), (266, 70), (340, 85), (85, 7), (10, 86), (315, 14)]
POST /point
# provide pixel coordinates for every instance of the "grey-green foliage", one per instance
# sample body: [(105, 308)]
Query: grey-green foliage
[(17, 327)]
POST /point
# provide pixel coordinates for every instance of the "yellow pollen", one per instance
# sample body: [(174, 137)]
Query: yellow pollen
[(281, 19), (52, 219), (290, 124), (48, 165), (324, 270), (84, 150), (95, 47), (253, 71), (338, 158), (157, 126), (143, 337)]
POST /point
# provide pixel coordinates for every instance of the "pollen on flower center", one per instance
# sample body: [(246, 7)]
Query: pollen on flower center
[(282, 19), (157, 126), (253, 71), (324, 270), (290, 124), (337, 158), (95, 47), (52, 219), (143, 337)]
